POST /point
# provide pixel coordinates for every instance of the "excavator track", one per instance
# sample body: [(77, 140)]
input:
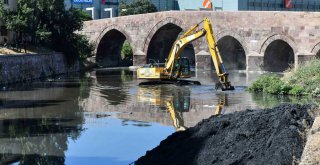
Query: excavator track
[(174, 82)]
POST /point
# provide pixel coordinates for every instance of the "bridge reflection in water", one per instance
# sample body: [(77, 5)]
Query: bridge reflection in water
[(105, 117), (191, 104), (117, 91)]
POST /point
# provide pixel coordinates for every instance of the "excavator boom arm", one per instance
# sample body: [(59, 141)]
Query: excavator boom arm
[(179, 45), (216, 57), (191, 35)]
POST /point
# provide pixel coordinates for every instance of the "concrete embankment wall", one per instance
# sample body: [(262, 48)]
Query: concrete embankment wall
[(311, 153), (18, 68)]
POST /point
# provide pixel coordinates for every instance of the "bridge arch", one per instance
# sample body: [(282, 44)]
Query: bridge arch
[(109, 45), (233, 50), (154, 29), (273, 37), (316, 50), (161, 38), (234, 35), (278, 52)]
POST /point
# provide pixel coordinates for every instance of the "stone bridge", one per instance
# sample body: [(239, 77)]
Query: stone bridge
[(252, 41)]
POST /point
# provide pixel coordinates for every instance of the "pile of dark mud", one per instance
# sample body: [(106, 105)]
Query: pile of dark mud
[(269, 136)]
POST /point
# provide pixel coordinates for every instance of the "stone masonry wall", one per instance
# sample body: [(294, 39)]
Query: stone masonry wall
[(17, 68), (255, 30)]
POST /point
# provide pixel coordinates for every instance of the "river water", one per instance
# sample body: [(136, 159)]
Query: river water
[(103, 117)]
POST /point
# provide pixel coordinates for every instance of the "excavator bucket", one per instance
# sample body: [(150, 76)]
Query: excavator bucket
[(224, 86)]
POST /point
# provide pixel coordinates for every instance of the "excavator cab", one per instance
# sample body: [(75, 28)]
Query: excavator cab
[(181, 68), (185, 68)]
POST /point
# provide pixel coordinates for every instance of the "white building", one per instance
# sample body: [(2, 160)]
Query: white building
[(99, 9)]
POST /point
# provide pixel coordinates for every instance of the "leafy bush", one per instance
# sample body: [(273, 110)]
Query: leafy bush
[(307, 76), (274, 85), (126, 51), (303, 81), (263, 83), (278, 87), (297, 90)]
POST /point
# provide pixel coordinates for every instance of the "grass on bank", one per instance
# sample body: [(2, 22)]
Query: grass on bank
[(30, 50), (305, 80)]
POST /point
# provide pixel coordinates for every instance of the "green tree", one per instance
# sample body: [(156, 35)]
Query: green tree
[(126, 51), (137, 7), (50, 24), (19, 21)]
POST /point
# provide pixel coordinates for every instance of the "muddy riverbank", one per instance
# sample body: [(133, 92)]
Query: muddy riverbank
[(269, 136)]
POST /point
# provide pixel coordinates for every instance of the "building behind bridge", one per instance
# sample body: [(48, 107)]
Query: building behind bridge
[(98, 9), (254, 5), (110, 8)]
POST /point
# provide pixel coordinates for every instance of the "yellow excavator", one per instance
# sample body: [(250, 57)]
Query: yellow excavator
[(177, 67), (176, 102)]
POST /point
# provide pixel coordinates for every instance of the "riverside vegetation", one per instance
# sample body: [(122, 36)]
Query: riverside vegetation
[(304, 80), (49, 25)]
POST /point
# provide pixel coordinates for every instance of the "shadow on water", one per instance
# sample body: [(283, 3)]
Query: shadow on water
[(14, 128), (269, 101), (136, 123), (5, 104), (71, 80)]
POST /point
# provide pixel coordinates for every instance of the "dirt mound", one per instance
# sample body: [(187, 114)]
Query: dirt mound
[(269, 136)]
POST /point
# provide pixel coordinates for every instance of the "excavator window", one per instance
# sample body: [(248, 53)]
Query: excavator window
[(185, 66)]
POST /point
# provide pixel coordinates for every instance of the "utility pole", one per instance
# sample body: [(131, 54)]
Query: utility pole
[(222, 6), (100, 10), (71, 3)]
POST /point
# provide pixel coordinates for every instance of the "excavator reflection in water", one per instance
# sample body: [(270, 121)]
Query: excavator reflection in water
[(175, 100)]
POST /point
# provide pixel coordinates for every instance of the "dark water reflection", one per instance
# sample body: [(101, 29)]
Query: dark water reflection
[(37, 119), (103, 117), (111, 83)]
